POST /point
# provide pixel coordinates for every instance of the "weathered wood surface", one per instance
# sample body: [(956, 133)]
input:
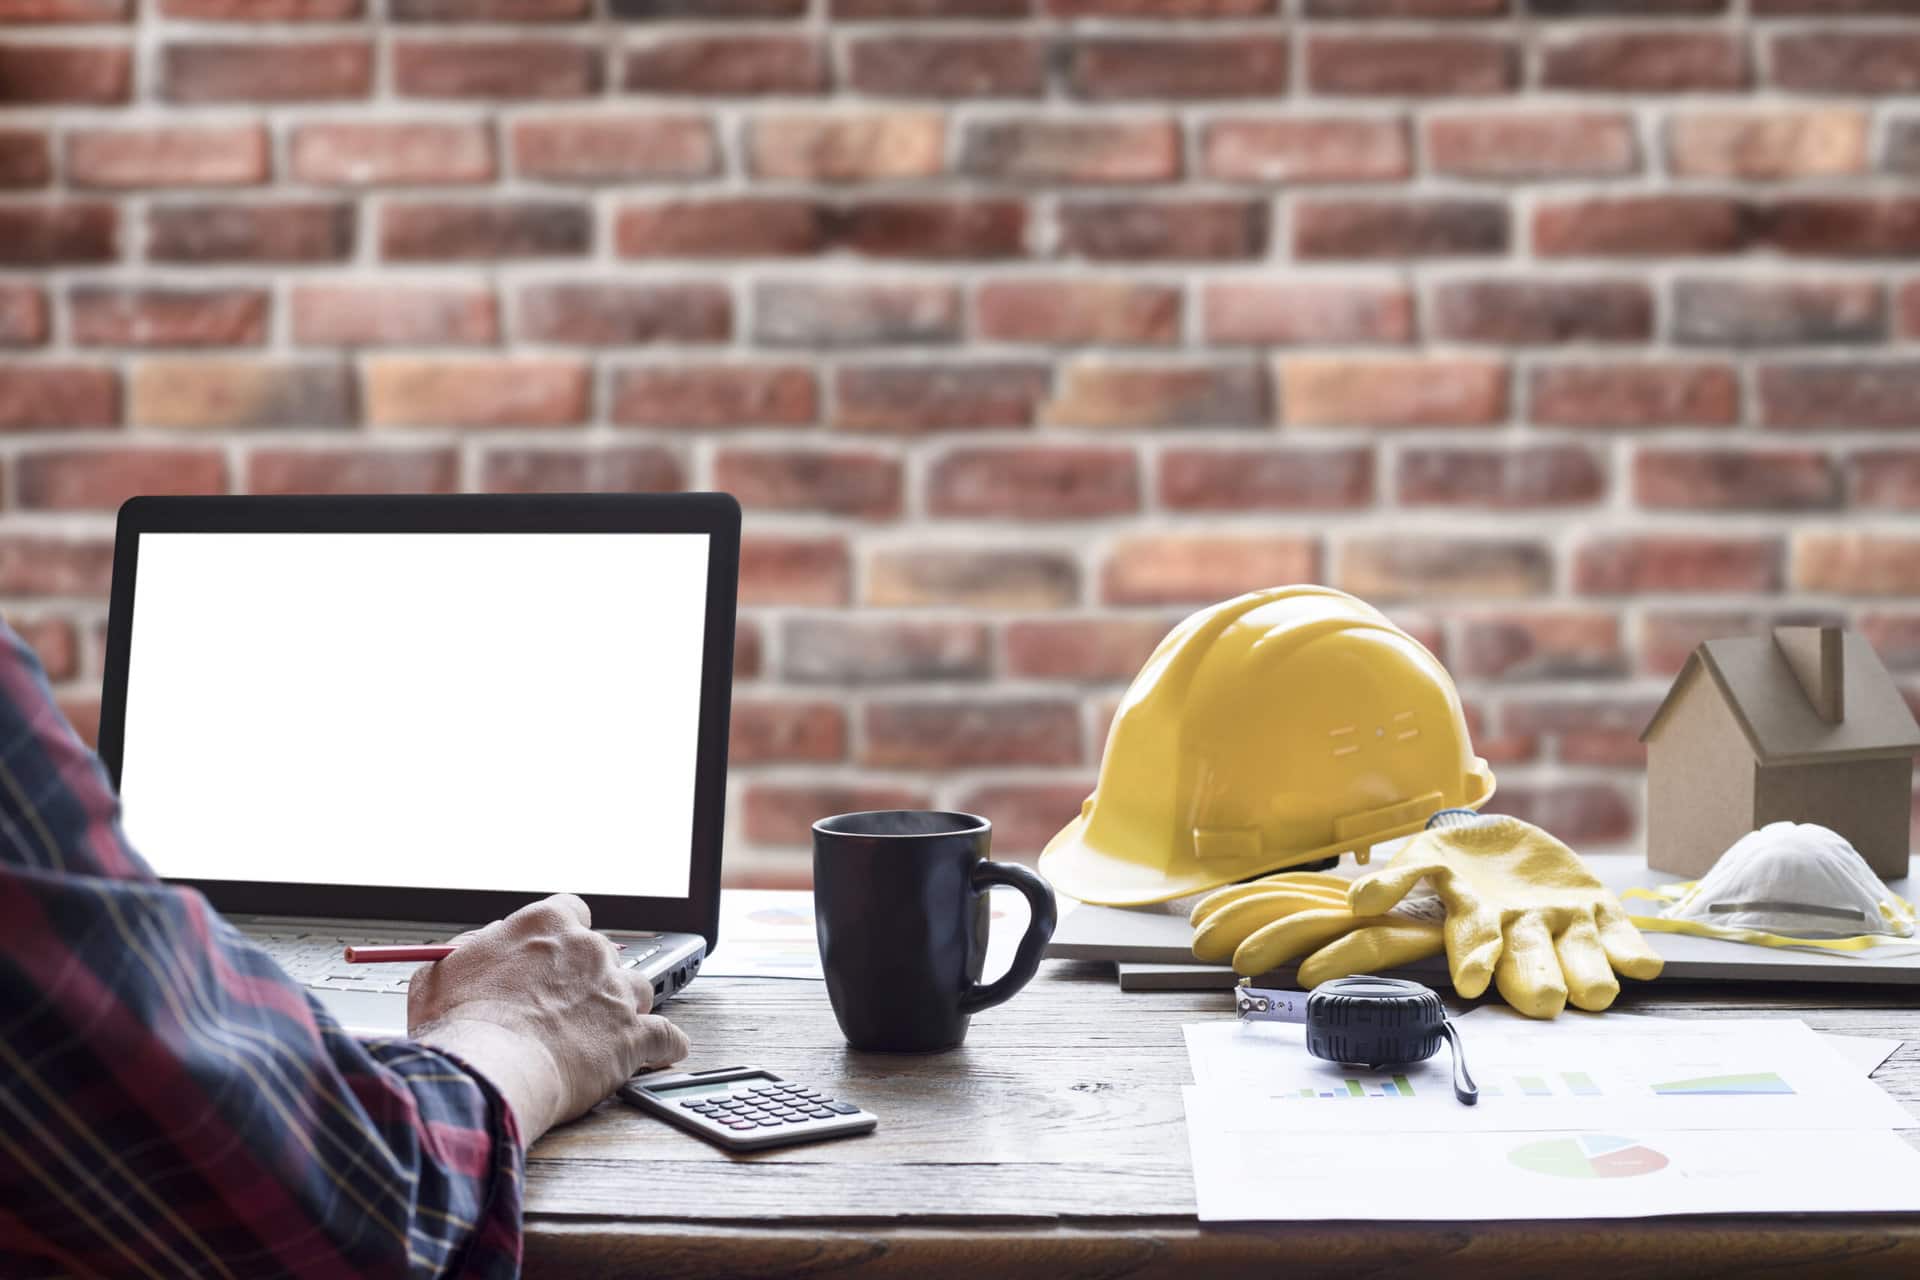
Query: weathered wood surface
[(1052, 1143)]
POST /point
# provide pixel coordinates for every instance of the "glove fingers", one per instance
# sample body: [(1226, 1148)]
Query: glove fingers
[(1289, 938), (1375, 893), (1318, 879), (1528, 974), (1221, 898), (1474, 946), (1371, 950), (1583, 964), (1627, 951), (1217, 935)]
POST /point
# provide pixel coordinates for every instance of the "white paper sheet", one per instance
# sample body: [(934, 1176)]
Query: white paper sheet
[(1255, 1167), (1865, 1053)]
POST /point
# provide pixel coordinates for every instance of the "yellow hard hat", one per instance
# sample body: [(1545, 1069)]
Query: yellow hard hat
[(1280, 727)]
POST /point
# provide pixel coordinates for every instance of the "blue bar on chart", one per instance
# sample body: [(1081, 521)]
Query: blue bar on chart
[(1581, 1083), (1533, 1086)]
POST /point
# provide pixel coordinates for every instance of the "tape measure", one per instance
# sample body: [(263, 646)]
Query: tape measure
[(1372, 1022)]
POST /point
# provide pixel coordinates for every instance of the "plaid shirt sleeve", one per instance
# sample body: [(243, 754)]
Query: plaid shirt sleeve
[(171, 1103)]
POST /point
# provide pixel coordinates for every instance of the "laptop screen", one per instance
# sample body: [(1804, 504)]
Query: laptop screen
[(433, 710)]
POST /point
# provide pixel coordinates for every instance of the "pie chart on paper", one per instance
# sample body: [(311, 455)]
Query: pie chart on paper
[(1588, 1155)]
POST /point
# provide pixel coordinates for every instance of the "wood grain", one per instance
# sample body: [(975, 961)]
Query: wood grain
[(1053, 1144)]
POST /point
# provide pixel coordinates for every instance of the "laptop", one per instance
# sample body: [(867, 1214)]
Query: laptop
[(392, 719)]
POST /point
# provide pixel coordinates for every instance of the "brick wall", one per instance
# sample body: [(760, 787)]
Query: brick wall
[(1570, 331)]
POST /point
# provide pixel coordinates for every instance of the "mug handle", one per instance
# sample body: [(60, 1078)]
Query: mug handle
[(1026, 960)]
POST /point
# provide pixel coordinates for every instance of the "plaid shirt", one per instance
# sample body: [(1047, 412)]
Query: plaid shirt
[(171, 1103)]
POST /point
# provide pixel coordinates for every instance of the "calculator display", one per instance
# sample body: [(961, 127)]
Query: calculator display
[(701, 1088)]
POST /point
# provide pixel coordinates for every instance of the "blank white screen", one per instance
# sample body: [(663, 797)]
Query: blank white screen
[(461, 711)]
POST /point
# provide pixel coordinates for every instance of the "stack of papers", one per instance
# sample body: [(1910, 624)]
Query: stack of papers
[(1582, 1117)]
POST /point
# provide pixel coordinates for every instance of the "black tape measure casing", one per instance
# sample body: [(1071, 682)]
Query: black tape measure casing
[(1374, 1022)]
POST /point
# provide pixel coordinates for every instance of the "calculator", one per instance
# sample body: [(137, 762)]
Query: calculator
[(745, 1108)]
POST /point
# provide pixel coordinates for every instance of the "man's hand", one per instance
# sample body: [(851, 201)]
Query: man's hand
[(539, 1004)]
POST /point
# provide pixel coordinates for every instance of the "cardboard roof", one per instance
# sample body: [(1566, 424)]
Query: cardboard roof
[(1772, 709)]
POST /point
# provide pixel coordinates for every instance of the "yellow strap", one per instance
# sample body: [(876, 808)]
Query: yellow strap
[(1670, 893)]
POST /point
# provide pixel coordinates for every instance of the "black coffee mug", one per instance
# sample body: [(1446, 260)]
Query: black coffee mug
[(900, 908)]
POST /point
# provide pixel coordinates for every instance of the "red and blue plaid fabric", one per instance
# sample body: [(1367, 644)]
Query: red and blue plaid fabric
[(171, 1103)]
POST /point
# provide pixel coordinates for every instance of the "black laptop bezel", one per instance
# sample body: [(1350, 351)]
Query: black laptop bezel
[(716, 515)]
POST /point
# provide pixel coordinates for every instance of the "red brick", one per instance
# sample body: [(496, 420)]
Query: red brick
[(1403, 66), (710, 396), (378, 315), (519, 68), (1908, 305), (353, 471), (1634, 395), (1854, 394), (1547, 475), (1275, 478), (1099, 394), (43, 235), (263, 10), (948, 67), (281, 231), (743, 226), (102, 315), (175, 156), (787, 732), (1654, 60), (1586, 731), (1856, 564), (1883, 227), (306, 71), (83, 715), (1563, 645), (1745, 479), (733, 66), (1199, 568), (1338, 391), (1058, 150), (929, 10), (1683, 563), (842, 482), (23, 315), (973, 578), (518, 229), (38, 397), (1830, 8), (747, 649), (1337, 228), (830, 314), (1894, 636), (1403, 568), (1826, 142), (846, 147), (626, 313), (1526, 312), (1086, 649), (237, 392), (948, 734), (1238, 66), (1035, 483), (1165, 229), (1068, 311), (779, 813), (1777, 312), (55, 641), (1026, 815), (626, 469), (1146, 10), (1534, 145), (911, 398), (1887, 479), (1305, 311), (489, 10), (44, 566), (49, 11), (101, 479), (1405, 8), (58, 74), (1637, 226), (801, 571), (410, 153), (1901, 153), (1306, 150), (1850, 62), (408, 391), (614, 148), (861, 651), (26, 158), (706, 9), (934, 228), (1667, 640)]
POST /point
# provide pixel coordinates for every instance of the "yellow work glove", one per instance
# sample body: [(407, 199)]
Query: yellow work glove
[(1522, 909), (1266, 923)]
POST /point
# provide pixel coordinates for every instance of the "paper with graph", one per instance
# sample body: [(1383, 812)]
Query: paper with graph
[(1573, 1122)]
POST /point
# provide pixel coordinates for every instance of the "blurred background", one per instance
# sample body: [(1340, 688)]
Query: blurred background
[(1570, 332)]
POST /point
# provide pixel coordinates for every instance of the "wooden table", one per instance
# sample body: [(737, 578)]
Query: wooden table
[(1052, 1145)]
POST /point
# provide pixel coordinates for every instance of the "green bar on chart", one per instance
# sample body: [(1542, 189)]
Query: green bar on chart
[(1353, 1088), (1581, 1083), (1533, 1086), (1404, 1085)]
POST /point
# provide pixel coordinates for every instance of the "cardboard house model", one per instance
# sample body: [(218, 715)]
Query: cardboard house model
[(1804, 725)]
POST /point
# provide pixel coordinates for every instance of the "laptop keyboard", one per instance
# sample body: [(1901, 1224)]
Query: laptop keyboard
[(315, 957)]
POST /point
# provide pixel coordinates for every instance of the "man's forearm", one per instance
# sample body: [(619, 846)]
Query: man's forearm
[(520, 1067)]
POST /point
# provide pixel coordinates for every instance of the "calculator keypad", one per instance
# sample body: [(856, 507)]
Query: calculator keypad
[(768, 1106)]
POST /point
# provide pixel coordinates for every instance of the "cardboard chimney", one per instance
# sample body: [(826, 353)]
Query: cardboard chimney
[(1804, 725)]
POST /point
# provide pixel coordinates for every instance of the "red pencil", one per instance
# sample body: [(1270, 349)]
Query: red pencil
[(401, 955)]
